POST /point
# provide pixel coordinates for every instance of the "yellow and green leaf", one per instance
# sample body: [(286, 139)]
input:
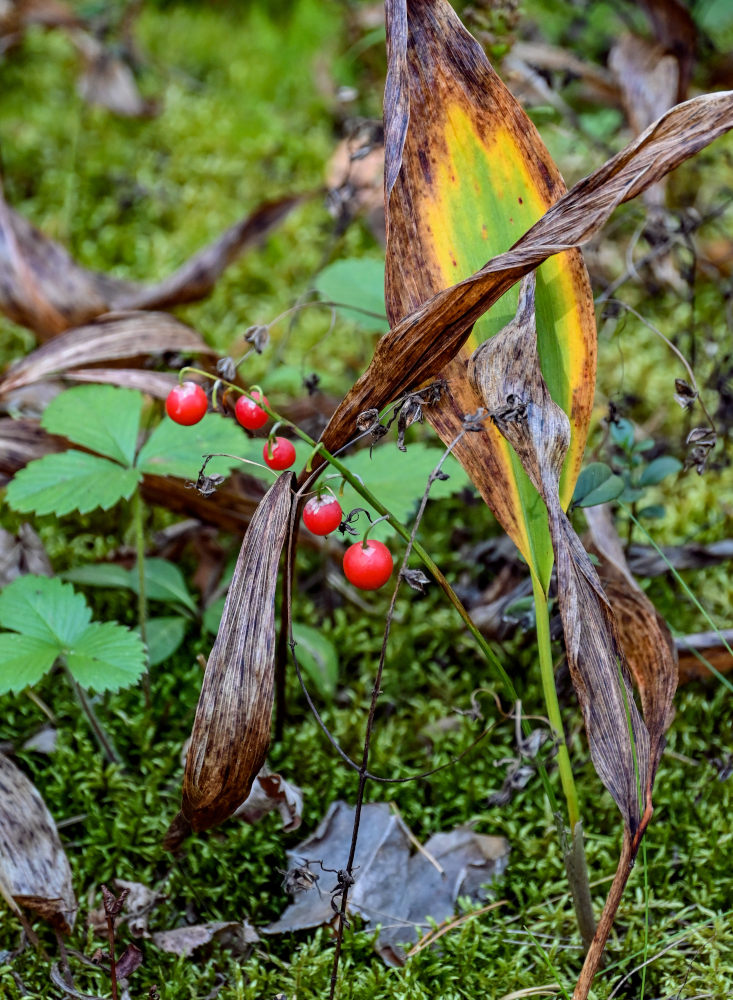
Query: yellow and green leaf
[(473, 176)]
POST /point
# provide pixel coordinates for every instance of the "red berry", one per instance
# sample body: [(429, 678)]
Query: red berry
[(186, 403), (322, 515), (279, 453), (249, 414), (368, 568)]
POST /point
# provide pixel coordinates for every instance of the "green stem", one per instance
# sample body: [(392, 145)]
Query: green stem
[(547, 672), (110, 751), (137, 520)]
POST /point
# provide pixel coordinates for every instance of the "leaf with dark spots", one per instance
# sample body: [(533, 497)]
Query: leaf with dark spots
[(231, 730), (505, 372), (34, 869), (110, 338), (420, 345), (42, 287)]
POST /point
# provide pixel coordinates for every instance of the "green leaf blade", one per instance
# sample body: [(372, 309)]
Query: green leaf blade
[(100, 417), (659, 469), (107, 657), (46, 609), (164, 636), (70, 481), (24, 659), (173, 450), (359, 283), (317, 657)]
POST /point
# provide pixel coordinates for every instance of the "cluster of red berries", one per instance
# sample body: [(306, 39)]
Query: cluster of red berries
[(368, 565), (187, 404)]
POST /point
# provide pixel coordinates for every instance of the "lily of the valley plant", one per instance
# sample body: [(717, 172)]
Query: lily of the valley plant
[(468, 180)]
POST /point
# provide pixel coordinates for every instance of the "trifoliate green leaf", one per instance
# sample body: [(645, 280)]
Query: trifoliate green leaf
[(164, 636), (399, 480), (24, 660), (44, 608), (107, 657), (100, 417), (359, 283), (173, 450), (70, 480)]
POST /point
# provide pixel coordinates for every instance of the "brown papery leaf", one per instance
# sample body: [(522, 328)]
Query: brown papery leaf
[(506, 375), (108, 81), (644, 635), (42, 287), (421, 345), (109, 338), (231, 731), (34, 869)]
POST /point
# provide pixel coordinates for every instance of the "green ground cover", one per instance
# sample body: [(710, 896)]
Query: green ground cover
[(245, 119)]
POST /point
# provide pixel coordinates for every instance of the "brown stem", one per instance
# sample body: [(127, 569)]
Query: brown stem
[(603, 930)]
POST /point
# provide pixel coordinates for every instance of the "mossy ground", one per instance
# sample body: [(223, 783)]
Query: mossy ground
[(243, 121)]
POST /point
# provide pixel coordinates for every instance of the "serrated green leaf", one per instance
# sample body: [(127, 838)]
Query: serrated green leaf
[(164, 636), (399, 480), (359, 283), (597, 484), (101, 417), (70, 480), (173, 450), (107, 657), (659, 469), (44, 608), (317, 658), (24, 659)]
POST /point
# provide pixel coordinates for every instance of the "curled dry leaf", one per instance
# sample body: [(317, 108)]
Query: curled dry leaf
[(421, 344), (109, 338), (34, 869), (185, 940), (269, 792), (644, 635), (506, 375), (108, 81), (231, 731), (42, 287)]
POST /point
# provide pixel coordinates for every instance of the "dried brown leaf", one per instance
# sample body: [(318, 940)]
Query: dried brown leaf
[(644, 635), (107, 81), (42, 286), (272, 792), (506, 375), (109, 338), (421, 344), (34, 869), (185, 940), (231, 731)]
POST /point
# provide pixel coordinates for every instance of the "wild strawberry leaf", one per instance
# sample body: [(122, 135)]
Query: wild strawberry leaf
[(106, 657), (99, 417), (44, 608), (173, 450), (70, 480), (24, 659)]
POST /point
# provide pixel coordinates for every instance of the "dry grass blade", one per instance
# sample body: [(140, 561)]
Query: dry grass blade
[(231, 731), (34, 868), (506, 374), (422, 344), (109, 338), (42, 287)]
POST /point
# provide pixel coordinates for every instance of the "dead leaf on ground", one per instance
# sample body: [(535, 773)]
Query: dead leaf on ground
[(111, 337), (108, 81), (34, 869), (42, 287), (129, 961), (393, 886), (140, 903), (710, 646), (233, 935), (272, 792), (231, 730), (22, 553)]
